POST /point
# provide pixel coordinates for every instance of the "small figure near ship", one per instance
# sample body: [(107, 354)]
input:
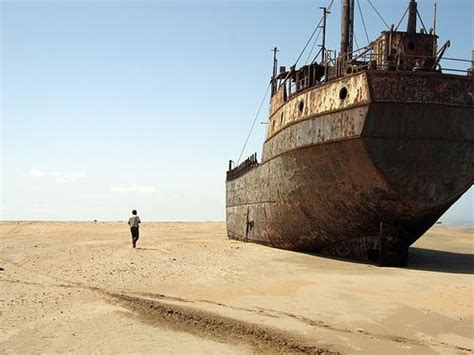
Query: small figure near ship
[(364, 152)]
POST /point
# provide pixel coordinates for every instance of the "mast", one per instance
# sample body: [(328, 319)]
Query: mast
[(350, 46), (411, 27), (275, 64), (323, 44), (345, 28)]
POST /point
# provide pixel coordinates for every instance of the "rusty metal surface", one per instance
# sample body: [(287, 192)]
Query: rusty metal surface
[(404, 51), (428, 160), (339, 125), (320, 101), (360, 182), (430, 88)]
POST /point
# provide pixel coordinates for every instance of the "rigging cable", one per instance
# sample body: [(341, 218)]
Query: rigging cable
[(268, 87), (419, 16), (406, 11), (314, 45), (363, 22), (312, 35), (378, 13), (253, 124), (309, 40), (355, 40)]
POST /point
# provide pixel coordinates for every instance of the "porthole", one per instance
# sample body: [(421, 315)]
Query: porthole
[(343, 93), (301, 106)]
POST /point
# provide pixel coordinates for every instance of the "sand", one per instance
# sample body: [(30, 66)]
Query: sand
[(80, 287)]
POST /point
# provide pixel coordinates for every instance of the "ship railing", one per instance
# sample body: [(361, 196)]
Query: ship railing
[(366, 59), (377, 61), (248, 164), (458, 69), (369, 60)]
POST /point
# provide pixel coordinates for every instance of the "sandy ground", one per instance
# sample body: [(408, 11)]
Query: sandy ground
[(80, 287)]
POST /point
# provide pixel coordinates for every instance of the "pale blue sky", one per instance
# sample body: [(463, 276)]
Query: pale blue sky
[(113, 105)]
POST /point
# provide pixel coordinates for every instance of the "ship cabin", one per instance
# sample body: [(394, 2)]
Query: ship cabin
[(395, 50)]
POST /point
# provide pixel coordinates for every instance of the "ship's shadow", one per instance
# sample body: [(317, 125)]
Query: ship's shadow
[(426, 260), (440, 261)]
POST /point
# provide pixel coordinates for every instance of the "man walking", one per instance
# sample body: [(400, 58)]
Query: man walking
[(134, 222)]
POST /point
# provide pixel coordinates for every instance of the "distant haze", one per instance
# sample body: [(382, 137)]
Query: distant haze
[(462, 212)]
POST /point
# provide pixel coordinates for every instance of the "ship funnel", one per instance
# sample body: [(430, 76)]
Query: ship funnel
[(412, 11)]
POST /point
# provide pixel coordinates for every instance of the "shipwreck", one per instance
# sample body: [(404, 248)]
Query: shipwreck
[(364, 151)]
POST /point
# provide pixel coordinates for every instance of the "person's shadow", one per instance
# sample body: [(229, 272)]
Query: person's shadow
[(440, 261), (138, 248)]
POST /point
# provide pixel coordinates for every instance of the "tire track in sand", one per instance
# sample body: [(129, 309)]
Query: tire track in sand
[(216, 327)]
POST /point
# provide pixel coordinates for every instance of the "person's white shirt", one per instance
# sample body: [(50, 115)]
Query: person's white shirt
[(134, 221)]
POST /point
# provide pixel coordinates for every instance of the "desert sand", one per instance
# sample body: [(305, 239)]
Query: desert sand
[(80, 287)]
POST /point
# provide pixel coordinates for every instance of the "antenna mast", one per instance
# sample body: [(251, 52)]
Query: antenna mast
[(275, 64), (323, 44)]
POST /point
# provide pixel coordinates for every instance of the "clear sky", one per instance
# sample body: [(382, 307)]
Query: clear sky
[(112, 105)]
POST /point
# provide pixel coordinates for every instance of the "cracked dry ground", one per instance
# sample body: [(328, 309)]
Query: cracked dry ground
[(80, 287)]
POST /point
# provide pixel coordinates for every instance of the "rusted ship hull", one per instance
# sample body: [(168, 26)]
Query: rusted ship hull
[(361, 177)]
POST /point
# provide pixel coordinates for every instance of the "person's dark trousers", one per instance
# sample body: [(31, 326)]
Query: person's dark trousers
[(134, 231)]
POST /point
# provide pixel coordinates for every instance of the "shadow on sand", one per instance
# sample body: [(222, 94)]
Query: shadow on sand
[(440, 261), (138, 248), (425, 260)]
